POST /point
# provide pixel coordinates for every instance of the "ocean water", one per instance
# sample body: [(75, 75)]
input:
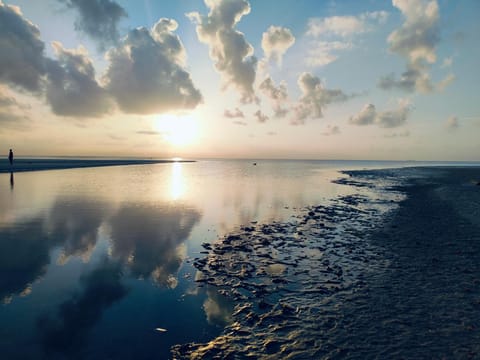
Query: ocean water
[(104, 262)]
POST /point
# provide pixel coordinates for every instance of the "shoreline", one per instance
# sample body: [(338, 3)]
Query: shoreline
[(345, 280), (24, 165)]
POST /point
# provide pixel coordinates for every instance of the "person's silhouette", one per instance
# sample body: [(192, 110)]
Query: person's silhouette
[(10, 157), (12, 180)]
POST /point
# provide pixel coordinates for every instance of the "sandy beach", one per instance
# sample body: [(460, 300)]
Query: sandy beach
[(350, 281), (21, 165)]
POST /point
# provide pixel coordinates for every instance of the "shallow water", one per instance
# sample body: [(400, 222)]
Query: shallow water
[(102, 262)]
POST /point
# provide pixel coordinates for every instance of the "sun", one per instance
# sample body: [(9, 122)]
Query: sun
[(178, 130)]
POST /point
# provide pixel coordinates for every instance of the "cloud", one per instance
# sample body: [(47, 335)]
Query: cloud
[(24, 256), (241, 123), (277, 94), (322, 53), (405, 133), (273, 92), (231, 53), (331, 35), (416, 41), (22, 62), (366, 116), (155, 248), (386, 119), (237, 113), (332, 130), (445, 82), (275, 43), (261, 117), (66, 331), (72, 89), (314, 98), (147, 132), (98, 19), (13, 115), (146, 72), (73, 224), (452, 123)]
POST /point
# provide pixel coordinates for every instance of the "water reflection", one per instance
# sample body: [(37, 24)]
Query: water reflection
[(12, 180), (177, 182), (65, 332), (73, 224), (155, 247), (24, 256), (218, 308)]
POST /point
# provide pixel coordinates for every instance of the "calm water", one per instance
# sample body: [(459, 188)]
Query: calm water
[(97, 263)]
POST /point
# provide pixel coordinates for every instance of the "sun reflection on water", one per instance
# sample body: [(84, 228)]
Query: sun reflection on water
[(177, 181)]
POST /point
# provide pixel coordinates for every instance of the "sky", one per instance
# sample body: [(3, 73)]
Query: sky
[(289, 79)]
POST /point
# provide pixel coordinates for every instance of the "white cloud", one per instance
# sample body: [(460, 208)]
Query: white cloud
[(314, 98), (386, 119), (322, 53), (331, 35), (275, 43), (232, 54), (447, 62), (146, 73), (416, 40)]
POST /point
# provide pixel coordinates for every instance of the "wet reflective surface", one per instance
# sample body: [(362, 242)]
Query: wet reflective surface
[(94, 261), (102, 262)]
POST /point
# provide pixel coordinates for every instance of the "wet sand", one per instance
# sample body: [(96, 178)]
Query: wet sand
[(392, 272), (21, 165)]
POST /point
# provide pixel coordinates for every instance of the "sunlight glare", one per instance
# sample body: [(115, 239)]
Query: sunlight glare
[(177, 182), (178, 130)]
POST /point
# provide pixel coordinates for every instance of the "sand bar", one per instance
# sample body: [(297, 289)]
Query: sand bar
[(21, 165)]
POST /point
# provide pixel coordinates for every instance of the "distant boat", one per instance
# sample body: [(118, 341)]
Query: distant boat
[(254, 163)]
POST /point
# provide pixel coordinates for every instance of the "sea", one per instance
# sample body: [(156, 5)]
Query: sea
[(130, 262)]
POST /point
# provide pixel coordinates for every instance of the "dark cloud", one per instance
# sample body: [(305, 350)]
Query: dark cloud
[(314, 98), (261, 117), (22, 62), (148, 132), (232, 54), (237, 113), (146, 73), (65, 332), (386, 119), (98, 19), (73, 224), (72, 89), (24, 256), (154, 250)]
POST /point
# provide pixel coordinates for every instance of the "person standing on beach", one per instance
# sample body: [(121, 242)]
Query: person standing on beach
[(10, 157)]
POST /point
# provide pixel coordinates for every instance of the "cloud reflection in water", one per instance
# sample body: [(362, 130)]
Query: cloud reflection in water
[(149, 240)]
